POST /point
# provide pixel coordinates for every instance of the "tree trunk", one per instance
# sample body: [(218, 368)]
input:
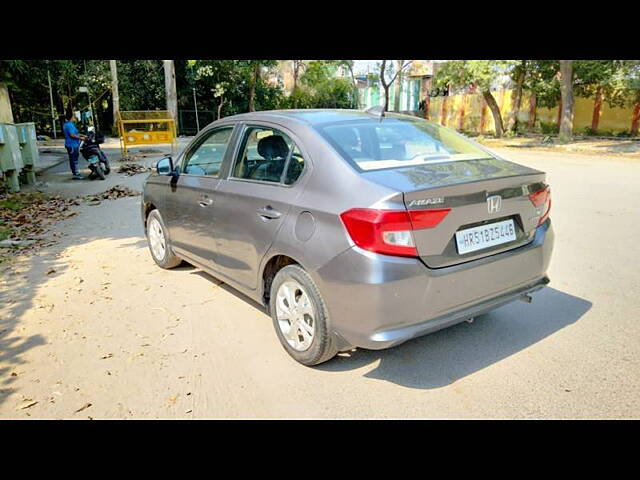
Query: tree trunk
[(252, 88), (220, 107), (355, 86), (296, 73), (495, 111), (398, 96), (170, 89), (6, 114), (385, 85), (512, 126), (114, 93), (566, 91), (597, 107)]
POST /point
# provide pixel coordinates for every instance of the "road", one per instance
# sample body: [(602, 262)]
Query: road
[(110, 329)]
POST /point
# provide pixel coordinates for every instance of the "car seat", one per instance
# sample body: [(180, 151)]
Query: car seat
[(274, 150)]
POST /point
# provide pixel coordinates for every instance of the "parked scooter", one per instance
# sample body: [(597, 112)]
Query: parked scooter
[(92, 153)]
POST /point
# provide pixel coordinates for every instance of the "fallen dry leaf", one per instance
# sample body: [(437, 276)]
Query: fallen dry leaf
[(84, 407), (27, 404)]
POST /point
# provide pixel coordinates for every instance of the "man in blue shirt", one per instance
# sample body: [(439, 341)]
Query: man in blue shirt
[(72, 143)]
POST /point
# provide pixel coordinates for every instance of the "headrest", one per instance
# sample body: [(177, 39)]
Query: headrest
[(272, 147)]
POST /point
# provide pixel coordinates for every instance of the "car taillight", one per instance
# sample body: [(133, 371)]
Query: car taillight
[(542, 200), (389, 231)]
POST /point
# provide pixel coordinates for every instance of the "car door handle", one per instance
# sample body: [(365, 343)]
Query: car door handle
[(268, 212)]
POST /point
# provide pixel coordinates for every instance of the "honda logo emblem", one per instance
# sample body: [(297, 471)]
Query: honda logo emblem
[(494, 203)]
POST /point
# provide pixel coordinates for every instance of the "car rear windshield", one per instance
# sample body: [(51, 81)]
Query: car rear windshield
[(373, 144)]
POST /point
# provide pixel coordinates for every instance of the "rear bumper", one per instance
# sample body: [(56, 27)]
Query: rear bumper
[(378, 301)]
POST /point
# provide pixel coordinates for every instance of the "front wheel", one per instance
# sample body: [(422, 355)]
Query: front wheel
[(300, 317), (159, 244)]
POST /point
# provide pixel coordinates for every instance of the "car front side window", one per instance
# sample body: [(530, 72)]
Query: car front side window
[(268, 155), (206, 158)]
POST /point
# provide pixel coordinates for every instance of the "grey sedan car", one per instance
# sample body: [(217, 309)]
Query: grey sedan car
[(353, 228)]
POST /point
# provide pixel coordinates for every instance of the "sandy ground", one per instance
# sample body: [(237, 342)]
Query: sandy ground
[(110, 335), (626, 147)]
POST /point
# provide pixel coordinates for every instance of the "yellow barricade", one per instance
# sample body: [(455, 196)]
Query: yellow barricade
[(153, 127)]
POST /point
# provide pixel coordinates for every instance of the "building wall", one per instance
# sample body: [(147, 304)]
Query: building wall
[(411, 95), (469, 112)]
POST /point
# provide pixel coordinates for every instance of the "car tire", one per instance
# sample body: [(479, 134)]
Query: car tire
[(310, 343), (100, 172), (158, 241)]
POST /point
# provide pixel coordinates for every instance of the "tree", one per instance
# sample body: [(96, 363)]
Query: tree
[(226, 86), (398, 95), (616, 81), (518, 74), (566, 90), (170, 88), (141, 95), (479, 73), (321, 88), (115, 98), (298, 69), (348, 64), (386, 83)]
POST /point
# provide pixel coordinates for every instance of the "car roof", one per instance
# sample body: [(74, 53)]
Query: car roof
[(310, 116)]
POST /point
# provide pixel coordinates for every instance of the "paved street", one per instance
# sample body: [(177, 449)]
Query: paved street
[(110, 335)]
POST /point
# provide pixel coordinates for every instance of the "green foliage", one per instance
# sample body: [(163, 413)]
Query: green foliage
[(587, 131), (141, 85), (320, 88), (481, 73), (228, 82), (542, 81), (549, 128), (619, 80)]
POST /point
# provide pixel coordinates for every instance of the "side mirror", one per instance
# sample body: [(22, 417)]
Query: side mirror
[(165, 166)]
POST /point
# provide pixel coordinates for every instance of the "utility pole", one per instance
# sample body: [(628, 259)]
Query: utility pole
[(115, 97), (53, 114), (195, 105), (170, 88)]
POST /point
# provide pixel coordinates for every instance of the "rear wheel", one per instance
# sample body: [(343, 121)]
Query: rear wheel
[(159, 244), (99, 171), (300, 317)]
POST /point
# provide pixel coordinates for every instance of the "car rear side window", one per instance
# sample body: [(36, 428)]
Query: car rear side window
[(268, 155), (398, 142), (206, 158)]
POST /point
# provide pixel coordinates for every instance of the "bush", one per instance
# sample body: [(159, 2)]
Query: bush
[(587, 131), (623, 134), (549, 128)]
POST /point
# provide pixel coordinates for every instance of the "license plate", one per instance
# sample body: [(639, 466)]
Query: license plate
[(485, 236), (93, 160)]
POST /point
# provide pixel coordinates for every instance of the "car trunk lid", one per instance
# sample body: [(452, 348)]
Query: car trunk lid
[(464, 187)]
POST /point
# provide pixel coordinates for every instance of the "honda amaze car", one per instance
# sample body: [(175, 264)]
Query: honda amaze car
[(352, 228)]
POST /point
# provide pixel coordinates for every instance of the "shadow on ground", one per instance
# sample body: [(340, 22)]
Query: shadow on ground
[(23, 279), (439, 359)]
